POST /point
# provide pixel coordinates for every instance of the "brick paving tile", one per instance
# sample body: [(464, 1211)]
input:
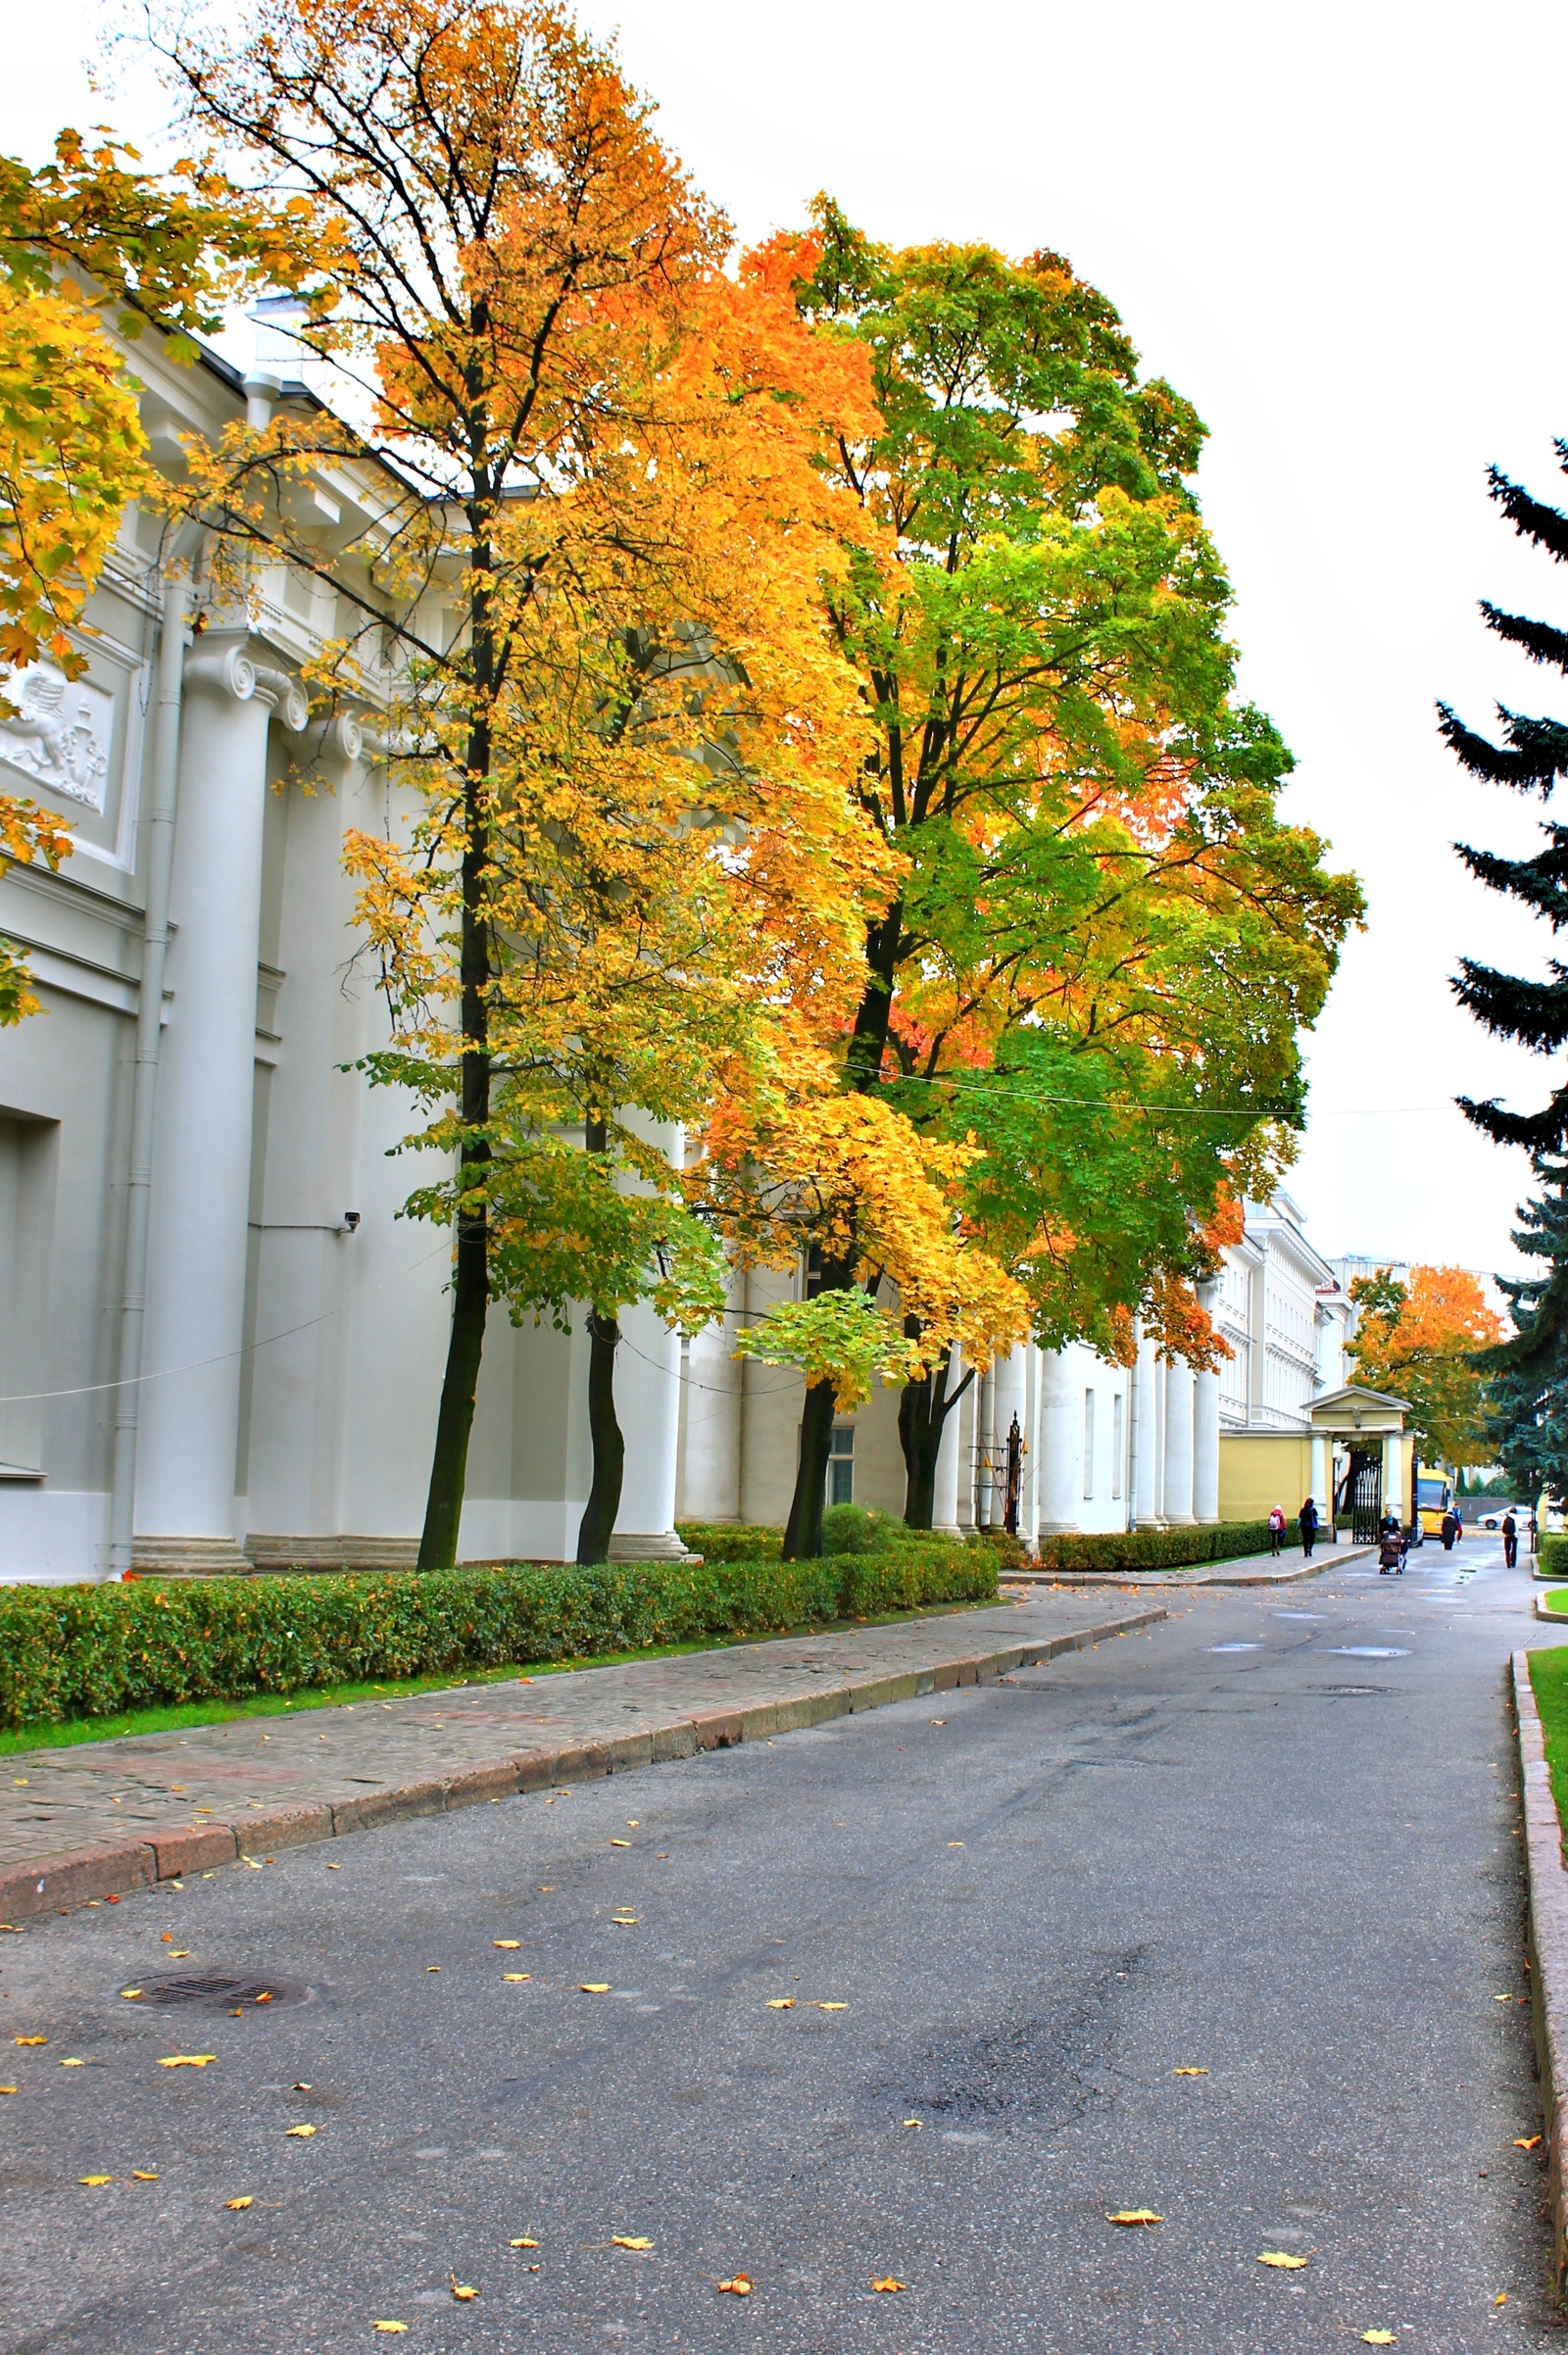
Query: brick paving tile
[(165, 1803)]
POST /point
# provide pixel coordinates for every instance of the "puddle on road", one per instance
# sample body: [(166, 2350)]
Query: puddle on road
[(1232, 1647), (1370, 1651), (1299, 1614)]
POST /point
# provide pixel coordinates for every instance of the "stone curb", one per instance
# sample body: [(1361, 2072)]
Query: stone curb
[(1161, 1581), (56, 1883), (1547, 1884), (1538, 1610)]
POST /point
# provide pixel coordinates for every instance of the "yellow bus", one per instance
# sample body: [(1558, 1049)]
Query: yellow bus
[(1434, 1494)]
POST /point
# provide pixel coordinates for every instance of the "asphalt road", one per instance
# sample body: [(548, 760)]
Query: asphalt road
[(1240, 1844)]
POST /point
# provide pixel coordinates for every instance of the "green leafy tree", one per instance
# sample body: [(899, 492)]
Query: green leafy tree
[(1528, 1373)]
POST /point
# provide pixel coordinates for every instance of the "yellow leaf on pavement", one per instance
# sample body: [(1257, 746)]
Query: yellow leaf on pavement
[(888, 2283), (1377, 2339), (390, 2326), (7, 2088), (298, 2130), (1281, 2258), (832, 2007), (628, 2241), (460, 2290), (1526, 2142), (95, 2178), (179, 1955), (509, 1945), (915, 2121), (515, 1978), (741, 2285), (143, 2175), (1135, 2216), (188, 2060), (243, 2201), (64, 2063), (29, 2039), (131, 1993), (620, 1844), (594, 1987), (781, 2003), (1188, 2073), (522, 2244)]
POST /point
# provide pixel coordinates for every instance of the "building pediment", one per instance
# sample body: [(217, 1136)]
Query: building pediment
[(1356, 1409)]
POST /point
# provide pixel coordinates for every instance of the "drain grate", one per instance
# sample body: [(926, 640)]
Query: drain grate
[(1352, 1692), (227, 1991)]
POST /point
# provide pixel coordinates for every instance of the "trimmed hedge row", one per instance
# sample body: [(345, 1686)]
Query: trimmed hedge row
[(95, 1652), (1155, 1549), (1553, 1560)]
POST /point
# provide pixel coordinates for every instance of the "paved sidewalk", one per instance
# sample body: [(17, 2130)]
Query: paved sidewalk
[(96, 1820), (1244, 1570)]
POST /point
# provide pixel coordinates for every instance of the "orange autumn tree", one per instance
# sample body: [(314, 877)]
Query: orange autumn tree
[(595, 555), (1419, 1342), (89, 231), (1104, 941)]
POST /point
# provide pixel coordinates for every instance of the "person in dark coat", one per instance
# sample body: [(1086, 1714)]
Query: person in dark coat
[(1308, 1517), (1451, 1529), (1510, 1542)]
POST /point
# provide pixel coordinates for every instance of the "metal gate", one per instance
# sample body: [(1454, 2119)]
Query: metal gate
[(1365, 1486)]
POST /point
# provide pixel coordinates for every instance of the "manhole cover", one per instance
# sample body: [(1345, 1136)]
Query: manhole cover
[(225, 1992), (1350, 1691)]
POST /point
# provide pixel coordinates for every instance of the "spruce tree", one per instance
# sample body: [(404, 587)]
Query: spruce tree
[(1528, 1372), (1532, 755)]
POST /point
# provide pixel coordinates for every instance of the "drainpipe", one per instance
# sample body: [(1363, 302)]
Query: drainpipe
[(144, 1090), (1135, 1390)]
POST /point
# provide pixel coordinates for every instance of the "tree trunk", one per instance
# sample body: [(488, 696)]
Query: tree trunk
[(803, 1532), (923, 1410), (471, 1285), (609, 1446)]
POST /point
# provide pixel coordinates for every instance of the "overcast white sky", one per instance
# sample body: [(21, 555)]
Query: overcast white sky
[(1340, 232)]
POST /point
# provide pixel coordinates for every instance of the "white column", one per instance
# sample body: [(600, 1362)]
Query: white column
[(1059, 1470), (1151, 1376), (710, 1468), (202, 1152), (1393, 1475), (945, 1496), (987, 1513), (647, 1410), (1178, 1495), (1323, 1480), (1029, 1517), (1206, 1447)]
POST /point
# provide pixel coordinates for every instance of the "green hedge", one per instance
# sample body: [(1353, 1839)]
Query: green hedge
[(1158, 1549), (731, 1541), (95, 1652), (846, 1529), (1553, 1560)]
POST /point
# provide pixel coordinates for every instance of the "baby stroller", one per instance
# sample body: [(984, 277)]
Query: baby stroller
[(1390, 1552)]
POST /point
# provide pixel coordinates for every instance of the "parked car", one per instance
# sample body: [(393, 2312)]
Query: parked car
[(1493, 1517)]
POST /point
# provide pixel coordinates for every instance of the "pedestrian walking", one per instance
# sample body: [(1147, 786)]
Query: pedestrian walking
[(1510, 1542), (1276, 1528), (1307, 1518), (1451, 1529)]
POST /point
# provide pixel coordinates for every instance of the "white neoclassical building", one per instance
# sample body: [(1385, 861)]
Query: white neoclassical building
[(220, 1345)]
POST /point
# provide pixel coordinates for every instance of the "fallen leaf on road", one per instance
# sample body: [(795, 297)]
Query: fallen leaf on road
[(594, 1987), (522, 2244), (624, 1920), (188, 2060), (620, 1844), (741, 2285), (955, 1843), (298, 2130), (95, 2178), (299, 2087), (1281, 2258), (1501, 2298), (507, 1945), (1503, 1999), (1525, 2141), (29, 2039), (73, 2064), (1188, 2073), (460, 2289), (390, 2326), (628, 2241), (1135, 2216), (939, 1721), (265, 1996), (781, 2003), (915, 2121), (180, 1954), (515, 1978), (1377, 2339), (888, 2284), (7, 2088), (142, 2175), (131, 1993), (832, 2007), (332, 1868), (432, 1967), (169, 1937), (243, 2201)]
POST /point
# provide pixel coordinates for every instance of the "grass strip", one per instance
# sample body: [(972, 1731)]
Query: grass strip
[(1548, 1680)]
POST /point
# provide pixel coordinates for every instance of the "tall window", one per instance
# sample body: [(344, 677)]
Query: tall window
[(1088, 1442), (841, 1465), (1115, 1445)]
